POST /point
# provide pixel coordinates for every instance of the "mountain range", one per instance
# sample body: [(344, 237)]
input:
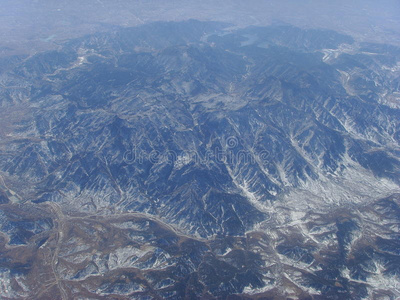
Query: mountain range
[(198, 160)]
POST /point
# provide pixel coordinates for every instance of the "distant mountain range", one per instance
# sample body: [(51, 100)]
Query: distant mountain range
[(195, 160)]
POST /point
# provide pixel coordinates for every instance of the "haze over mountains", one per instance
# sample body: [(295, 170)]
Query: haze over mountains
[(31, 26), (199, 160)]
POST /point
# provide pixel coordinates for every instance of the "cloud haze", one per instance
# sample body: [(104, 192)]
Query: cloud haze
[(30, 26)]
